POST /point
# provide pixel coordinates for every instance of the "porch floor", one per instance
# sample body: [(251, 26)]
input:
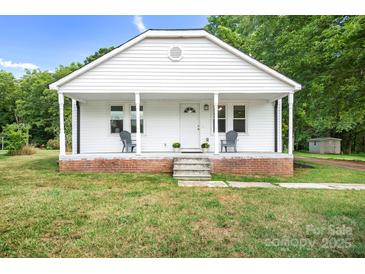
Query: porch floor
[(170, 155)]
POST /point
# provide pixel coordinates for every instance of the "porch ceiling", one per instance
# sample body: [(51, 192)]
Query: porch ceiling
[(173, 96)]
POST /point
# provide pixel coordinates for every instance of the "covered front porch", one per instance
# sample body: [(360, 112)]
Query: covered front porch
[(157, 120)]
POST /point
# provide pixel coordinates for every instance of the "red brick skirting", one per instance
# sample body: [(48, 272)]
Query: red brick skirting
[(239, 166), (118, 165), (253, 166)]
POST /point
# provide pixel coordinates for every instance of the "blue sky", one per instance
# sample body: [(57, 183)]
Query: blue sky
[(45, 42)]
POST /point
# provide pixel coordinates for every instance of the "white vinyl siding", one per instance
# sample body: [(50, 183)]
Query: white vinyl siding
[(162, 126), (205, 67)]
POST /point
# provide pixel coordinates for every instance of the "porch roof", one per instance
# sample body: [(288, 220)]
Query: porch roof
[(122, 96)]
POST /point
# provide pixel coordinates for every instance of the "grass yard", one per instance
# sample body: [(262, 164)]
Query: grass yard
[(306, 173), (351, 157), (48, 214)]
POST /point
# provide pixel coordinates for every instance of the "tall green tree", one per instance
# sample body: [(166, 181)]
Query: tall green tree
[(96, 55), (37, 105), (29, 101), (9, 92), (326, 54)]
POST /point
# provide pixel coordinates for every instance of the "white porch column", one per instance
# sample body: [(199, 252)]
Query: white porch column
[(74, 126), (279, 126), (138, 123), (216, 137), (62, 126), (290, 133)]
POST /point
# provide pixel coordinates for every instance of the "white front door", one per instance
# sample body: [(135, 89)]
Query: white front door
[(189, 126)]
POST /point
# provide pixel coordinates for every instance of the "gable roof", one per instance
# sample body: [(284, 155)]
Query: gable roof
[(169, 33)]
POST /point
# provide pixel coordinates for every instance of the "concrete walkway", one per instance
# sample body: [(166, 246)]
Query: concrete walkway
[(270, 185), (202, 183), (249, 184)]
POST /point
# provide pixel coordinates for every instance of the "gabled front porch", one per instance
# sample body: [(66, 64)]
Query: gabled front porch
[(158, 120)]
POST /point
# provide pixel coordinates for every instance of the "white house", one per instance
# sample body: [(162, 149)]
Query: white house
[(167, 86)]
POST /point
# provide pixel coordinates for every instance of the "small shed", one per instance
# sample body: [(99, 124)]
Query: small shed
[(325, 145)]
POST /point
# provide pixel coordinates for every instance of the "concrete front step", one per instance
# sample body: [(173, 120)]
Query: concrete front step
[(191, 161), (192, 168)]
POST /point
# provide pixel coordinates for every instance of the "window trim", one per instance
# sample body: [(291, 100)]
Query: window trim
[(229, 117), (117, 104), (130, 119), (126, 118), (244, 119), (212, 118)]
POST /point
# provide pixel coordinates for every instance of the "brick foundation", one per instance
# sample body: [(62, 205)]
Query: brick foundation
[(239, 166), (117, 165), (253, 166)]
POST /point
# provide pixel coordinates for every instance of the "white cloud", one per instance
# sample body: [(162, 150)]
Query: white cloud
[(10, 64), (138, 22)]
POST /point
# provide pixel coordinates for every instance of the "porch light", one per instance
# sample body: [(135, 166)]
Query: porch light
[(206, 107)]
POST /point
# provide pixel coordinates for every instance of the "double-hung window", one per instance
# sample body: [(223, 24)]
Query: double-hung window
[(239, 118), (221, 119), (116, 119), (134, 120)]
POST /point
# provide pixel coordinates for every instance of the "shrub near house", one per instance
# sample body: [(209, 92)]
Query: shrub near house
[(16, 138), (53, 144)]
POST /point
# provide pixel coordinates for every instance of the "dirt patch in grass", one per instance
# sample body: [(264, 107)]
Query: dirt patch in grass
[(355, 165), (229, 200), (209, 230)]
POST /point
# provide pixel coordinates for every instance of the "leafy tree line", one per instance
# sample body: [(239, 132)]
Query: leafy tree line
[(29, 104), (326, 54)]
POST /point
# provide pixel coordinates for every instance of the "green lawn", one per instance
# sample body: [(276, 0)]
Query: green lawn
[(48, 214), (351, 157), (306, 173)]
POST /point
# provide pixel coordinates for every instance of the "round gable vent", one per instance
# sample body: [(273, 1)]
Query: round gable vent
[(175, 53)]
